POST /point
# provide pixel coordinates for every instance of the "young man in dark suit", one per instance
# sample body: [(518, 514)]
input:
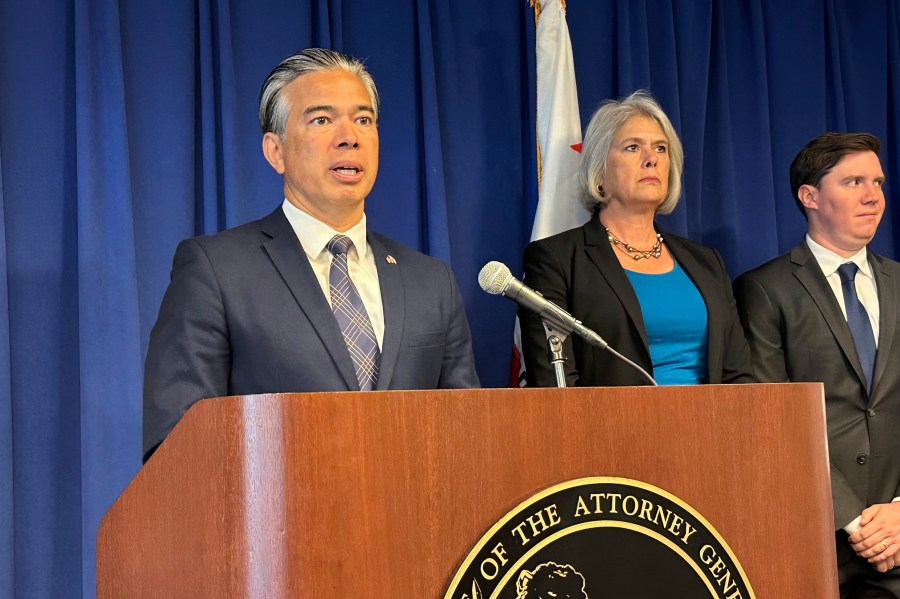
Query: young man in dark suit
[(828, 311), (307, 298)]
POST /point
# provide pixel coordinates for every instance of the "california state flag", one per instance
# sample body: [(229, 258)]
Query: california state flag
[(559, 139)]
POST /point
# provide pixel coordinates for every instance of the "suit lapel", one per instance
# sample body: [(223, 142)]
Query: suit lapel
[(704, 284), (887, 307), (600, 252), (287, 255), (813, 280), (390, 279)]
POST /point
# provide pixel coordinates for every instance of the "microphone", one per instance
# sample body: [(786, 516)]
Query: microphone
[(496, 279)]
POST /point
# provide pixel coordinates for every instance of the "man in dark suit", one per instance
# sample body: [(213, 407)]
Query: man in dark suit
[(828, 311), (307, 298)]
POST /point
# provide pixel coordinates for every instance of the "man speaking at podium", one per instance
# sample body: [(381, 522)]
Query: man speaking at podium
[(307, 298), (828, 311)]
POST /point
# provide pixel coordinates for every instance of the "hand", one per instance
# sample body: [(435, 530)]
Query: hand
[(878, 539)]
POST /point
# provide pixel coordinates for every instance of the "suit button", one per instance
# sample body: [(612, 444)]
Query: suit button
[(861, 458), (870, 412)]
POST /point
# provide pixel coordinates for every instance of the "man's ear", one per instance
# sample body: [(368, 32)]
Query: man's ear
[(273, 150), (808, 196)]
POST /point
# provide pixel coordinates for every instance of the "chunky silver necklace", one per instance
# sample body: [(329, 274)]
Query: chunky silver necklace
[(633, 252)]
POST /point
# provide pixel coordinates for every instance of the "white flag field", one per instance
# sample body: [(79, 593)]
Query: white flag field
[(559, 140)]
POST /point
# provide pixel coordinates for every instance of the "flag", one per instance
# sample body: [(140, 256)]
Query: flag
[(558, 126), (559, 140)]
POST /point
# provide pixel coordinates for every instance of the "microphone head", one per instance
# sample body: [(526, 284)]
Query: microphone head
[(494, 277)]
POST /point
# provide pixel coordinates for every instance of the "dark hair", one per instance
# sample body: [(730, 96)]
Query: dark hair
[(820, 155), (274, 106)]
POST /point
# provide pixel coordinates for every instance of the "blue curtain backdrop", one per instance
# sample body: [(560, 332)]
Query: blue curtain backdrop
[(127, 126)]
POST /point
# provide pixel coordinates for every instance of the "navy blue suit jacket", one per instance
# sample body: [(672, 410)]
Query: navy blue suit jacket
[(244, 314)]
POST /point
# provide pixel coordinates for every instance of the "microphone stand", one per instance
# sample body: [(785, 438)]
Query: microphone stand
[(557, 335), (495, 278), (555, 340)]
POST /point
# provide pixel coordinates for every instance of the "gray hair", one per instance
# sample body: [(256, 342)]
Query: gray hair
[(274, 106), (605, 124)]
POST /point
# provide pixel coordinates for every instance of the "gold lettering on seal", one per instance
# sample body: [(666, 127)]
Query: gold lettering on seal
[(537, 523), (719, 569), (644, 509), (489, 567)]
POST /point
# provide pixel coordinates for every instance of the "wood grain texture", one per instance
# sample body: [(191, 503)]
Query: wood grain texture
[(335, 495)]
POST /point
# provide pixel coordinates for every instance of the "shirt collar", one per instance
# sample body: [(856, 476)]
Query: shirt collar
[(829, 261), (314, 235)]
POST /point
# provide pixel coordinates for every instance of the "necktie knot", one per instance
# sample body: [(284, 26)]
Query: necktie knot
[(339, 244), (847, 271)]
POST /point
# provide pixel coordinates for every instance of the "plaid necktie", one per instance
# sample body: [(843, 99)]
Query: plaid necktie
[(858, 320), (351, 316)]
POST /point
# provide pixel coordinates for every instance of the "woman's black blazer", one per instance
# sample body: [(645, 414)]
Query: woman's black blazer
[(578, 270)]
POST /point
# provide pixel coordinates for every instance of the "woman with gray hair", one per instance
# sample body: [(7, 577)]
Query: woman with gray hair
[(662, 301)]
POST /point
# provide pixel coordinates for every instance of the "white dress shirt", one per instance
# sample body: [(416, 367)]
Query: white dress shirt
[(314, 236), (866, 289)]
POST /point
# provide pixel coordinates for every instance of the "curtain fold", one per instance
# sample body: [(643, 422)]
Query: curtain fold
[(436, 239), (129, 126), (327, 32), (108, 322), (891, 148), (692, 23), (41, 550), (210, 214), (7, 481)]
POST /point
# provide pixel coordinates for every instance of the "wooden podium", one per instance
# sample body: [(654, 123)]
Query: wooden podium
[(382, 495)]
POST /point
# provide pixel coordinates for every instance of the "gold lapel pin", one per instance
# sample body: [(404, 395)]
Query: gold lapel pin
[(390, 259)]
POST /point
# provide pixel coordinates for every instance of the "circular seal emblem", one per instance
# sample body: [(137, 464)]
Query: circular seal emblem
[(601, 538)]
